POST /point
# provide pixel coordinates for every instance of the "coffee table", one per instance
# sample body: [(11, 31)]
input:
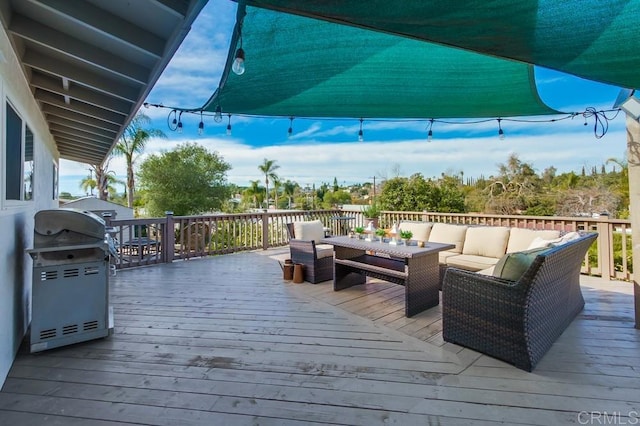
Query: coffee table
[(416, 268)]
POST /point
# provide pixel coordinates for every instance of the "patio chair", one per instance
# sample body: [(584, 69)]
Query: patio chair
[(517, 315), (316, 258)]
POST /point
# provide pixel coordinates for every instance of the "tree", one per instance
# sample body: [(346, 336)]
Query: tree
[(105, 180), (254, 192), (276, 188), (88, 184), (289, 189), (268, 167), (131, 144), (188, 180)]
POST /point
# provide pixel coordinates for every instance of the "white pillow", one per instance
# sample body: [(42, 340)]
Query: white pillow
[(309, 231), (539, 242)]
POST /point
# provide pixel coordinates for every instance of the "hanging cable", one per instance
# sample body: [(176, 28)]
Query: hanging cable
[(172, 120), (600, 128)]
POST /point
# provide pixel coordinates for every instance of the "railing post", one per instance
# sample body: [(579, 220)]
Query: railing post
[(265, 230), (169, 238), (605, 251)]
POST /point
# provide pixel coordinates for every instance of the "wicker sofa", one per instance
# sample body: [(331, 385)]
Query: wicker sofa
[(516, 320)]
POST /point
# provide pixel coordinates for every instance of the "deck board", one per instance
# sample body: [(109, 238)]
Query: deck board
[(224, 340)]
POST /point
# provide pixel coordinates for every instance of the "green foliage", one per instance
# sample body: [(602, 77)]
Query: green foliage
[(359, 229), (405, 235), (417, 193), (334, 198), (188, 180), (371, 211)]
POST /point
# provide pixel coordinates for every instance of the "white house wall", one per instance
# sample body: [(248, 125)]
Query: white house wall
[(16, 218)]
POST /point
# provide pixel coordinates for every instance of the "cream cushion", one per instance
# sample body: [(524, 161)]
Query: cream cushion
[(522, 239), (312, 230), (512, 265), (448, 234), (471, 262), (420, 230), (444, 255), (324, 250), (488, 241)]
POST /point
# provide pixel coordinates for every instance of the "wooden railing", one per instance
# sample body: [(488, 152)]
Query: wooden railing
[(143, 242)]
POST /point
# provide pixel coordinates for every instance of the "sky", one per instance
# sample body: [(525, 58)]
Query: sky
[(321, 150)]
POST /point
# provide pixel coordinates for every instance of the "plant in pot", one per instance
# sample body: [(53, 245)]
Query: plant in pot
[(359, 230), (380, 232), (371, 213), (406, 236)]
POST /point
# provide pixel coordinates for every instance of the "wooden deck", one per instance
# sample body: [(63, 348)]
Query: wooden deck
[(224, 341)]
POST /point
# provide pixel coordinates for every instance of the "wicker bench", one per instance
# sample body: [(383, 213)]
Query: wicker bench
[(516, 321)]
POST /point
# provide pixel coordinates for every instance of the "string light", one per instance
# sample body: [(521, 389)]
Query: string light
[(238, 62), (601, 119), (229, 126), (201, 125), (290, 131), (180, 122)]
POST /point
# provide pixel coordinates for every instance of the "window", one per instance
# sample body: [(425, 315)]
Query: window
[(19, 165), (28, 169), (55, 181)]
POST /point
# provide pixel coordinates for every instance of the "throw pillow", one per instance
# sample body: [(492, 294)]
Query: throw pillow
[(511, 266), (539, 242), (309, 231)]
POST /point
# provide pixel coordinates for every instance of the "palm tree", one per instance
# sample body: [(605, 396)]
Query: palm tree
[(254, 192), (88, 184), (268, 167), (105, 179), (276, 188), (289, 190), (132, 142)]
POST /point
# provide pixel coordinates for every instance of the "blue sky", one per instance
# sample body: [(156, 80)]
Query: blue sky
[(323, 149)]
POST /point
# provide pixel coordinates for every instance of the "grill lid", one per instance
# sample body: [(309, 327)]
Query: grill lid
[(53, 222)]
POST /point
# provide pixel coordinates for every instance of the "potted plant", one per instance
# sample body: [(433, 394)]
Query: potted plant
[(380, 232), (359, 230), (406, 236), (371, 213)]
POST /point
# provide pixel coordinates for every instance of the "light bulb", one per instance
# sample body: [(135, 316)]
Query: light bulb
[(179, 126), (360, 136), (290, 132), (430, 136), (238, 63), (217, 117), (228, 129), (201, 128), (501, 134)]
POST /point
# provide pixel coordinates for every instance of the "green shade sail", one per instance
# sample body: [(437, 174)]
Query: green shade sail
[(302, 67), (594, 39)]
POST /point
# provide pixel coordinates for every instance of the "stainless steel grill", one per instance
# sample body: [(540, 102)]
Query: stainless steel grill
[(70, 293)]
